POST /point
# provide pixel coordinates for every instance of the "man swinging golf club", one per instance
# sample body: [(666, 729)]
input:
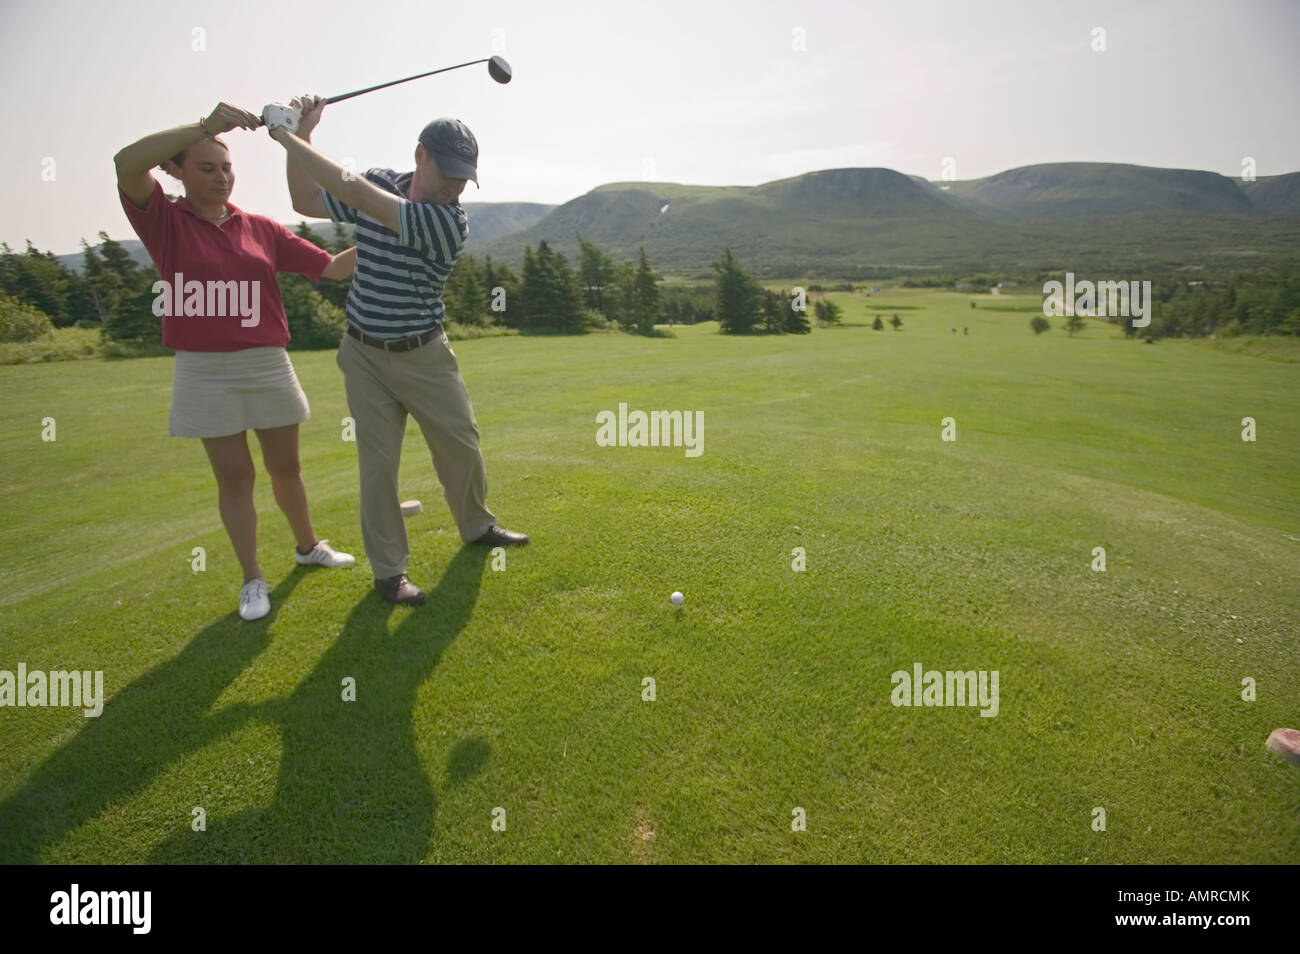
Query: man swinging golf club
[(396, 358)]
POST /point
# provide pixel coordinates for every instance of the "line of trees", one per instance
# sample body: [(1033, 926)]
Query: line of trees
[(1263, 303), (115, 293), (552, 295), (64, 296), (1263, 300)]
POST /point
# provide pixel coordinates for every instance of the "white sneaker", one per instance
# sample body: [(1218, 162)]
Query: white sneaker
[(254, 600), (322, 554)]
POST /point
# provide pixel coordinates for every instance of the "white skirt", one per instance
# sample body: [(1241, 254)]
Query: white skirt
[(218, 393)]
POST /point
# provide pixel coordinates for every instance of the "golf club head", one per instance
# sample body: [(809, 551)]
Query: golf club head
[(499, 69)]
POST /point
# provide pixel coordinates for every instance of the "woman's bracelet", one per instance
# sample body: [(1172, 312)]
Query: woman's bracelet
[(204, 128)]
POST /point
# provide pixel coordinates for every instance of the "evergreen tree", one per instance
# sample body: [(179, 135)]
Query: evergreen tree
[(878, 325), (737, 297), (304, 231), (118, 261), (464, 297), (772, 306), (530, 285), (8, 271), (82, 306), (340, 240), (620, 296), (645, 296), (552, 298), (132, 319), (473, 301), (490, 280), (568, 295), (43, 283), (500, 277), (796, 322), (104, 286), (827, 312), (595, 273)]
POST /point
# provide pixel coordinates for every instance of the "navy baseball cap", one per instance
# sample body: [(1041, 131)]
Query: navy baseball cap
[(454, 148)]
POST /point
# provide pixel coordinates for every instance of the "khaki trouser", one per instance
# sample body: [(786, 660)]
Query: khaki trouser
[(382, 388)]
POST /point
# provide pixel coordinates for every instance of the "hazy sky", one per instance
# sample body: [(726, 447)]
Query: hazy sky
[(699, 92)]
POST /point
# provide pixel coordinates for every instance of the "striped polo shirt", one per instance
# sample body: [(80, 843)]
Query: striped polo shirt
[(397, 286)]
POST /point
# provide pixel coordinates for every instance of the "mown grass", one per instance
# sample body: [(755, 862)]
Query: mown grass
[(521, 689)]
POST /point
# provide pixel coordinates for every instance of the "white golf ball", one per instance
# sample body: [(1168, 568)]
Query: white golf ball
[(678, 599)]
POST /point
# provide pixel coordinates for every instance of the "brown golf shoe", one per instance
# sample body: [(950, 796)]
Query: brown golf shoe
[(398, 589)]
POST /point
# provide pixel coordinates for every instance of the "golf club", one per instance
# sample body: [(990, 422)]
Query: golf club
[(498, 68)]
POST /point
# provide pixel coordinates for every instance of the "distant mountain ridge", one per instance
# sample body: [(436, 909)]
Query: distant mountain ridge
[(1070, 189), (842, 220), (1279, 195), (864, 220)]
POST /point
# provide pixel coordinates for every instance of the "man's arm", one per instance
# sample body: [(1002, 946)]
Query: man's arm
[(303, 191), (344, 184)]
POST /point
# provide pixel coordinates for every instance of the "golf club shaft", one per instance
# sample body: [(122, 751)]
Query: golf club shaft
[(371, 89)]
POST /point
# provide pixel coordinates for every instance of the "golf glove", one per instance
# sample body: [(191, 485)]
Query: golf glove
[(280, 116)]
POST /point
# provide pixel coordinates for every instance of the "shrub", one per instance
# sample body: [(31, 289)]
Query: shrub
[(61, 344), (315, 323), (20, 321), (591, 318)]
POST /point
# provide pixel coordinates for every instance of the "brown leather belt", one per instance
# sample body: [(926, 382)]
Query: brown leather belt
[(394, 344)]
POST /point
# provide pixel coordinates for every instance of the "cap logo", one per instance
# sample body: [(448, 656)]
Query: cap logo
[(463, 147)]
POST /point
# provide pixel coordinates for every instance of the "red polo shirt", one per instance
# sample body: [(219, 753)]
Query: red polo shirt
[(246, 249)]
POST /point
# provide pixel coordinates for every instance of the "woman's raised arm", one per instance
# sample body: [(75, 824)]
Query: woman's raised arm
[(134, 162)]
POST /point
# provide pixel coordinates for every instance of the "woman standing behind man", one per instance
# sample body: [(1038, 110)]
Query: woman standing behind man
[(232, 373)]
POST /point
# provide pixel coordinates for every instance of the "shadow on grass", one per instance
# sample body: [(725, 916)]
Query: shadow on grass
[(351, 785), (534, 332), (144, 727)]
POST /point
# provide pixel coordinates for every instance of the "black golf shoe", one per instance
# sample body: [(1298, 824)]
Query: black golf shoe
[(500, 537), (398, 589)]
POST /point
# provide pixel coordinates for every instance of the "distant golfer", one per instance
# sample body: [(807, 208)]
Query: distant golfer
[(231, 372), (396, 359)]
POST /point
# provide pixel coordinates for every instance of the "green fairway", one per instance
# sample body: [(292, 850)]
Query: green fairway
[(519, 691)]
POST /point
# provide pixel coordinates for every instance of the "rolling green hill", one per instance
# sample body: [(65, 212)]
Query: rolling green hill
[(1278, 195), (855, 222), (1088, 189)]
